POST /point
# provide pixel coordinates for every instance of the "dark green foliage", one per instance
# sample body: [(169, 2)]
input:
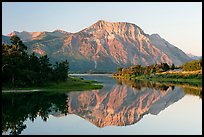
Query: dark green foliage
[(60, 71), (22, 70), (18, 107), (140, 70), (193, 65), (193, 91), (119, 70), (173, 67), (16, 41), (165, 66)]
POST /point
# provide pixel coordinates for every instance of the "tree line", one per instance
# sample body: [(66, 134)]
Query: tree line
[(140, 70), (193, 65), (156, 68), (19, 69)]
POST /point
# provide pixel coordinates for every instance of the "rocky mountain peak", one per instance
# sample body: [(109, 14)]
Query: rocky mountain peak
[(156, 35), (114, 29), (25, 35), (102, 24), (105, 46), (12, 33), (60, 31)]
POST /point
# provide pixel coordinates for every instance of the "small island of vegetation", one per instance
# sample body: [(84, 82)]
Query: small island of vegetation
[(21, 71)]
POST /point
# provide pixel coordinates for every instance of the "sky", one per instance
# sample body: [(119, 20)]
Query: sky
[(180, 23)]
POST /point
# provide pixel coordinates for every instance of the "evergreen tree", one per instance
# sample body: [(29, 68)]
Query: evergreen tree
[(22, 70), (172, 67)]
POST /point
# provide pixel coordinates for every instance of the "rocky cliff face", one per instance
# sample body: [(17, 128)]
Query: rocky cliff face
[(121, 105), (104, 46)]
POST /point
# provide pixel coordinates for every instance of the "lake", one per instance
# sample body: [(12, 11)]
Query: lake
[(120, 107)]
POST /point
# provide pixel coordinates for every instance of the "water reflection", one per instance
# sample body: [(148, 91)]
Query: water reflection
[(192, 88), (18, 107), (120, 104), (126, 102)]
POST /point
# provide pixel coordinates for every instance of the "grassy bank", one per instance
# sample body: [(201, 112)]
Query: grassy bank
[(183, 77), (171, 78), (72, 84)]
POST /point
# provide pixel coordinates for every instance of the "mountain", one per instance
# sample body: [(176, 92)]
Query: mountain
[(103, 46), (193, 57), (31, 36)]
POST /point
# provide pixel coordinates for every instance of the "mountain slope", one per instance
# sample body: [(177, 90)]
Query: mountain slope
[(30, 36), (104, 46), (193, 56), (5, 39)]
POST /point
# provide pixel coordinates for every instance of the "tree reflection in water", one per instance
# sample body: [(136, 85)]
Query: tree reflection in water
[(18, 107), (189, 88)]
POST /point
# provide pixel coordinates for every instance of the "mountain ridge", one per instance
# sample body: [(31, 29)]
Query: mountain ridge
[(104, 46)]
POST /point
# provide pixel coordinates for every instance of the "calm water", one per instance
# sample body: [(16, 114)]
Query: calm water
[(120, 107)]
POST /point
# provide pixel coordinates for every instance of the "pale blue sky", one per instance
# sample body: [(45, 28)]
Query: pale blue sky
[(178, 23)]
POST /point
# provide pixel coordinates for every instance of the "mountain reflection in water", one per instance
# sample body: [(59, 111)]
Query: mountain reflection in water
[(120, 104)]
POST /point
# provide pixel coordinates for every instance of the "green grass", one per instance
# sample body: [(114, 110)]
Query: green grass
[(72, 84), (172, 78), (184, 77)]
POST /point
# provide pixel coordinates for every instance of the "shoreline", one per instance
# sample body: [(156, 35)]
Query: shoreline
[(163, 79), (78, 74), (17, 90), (72, 84)]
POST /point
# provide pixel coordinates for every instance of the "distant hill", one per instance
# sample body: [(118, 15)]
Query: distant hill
[(6, 39), (193, 56), (103, 46)]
